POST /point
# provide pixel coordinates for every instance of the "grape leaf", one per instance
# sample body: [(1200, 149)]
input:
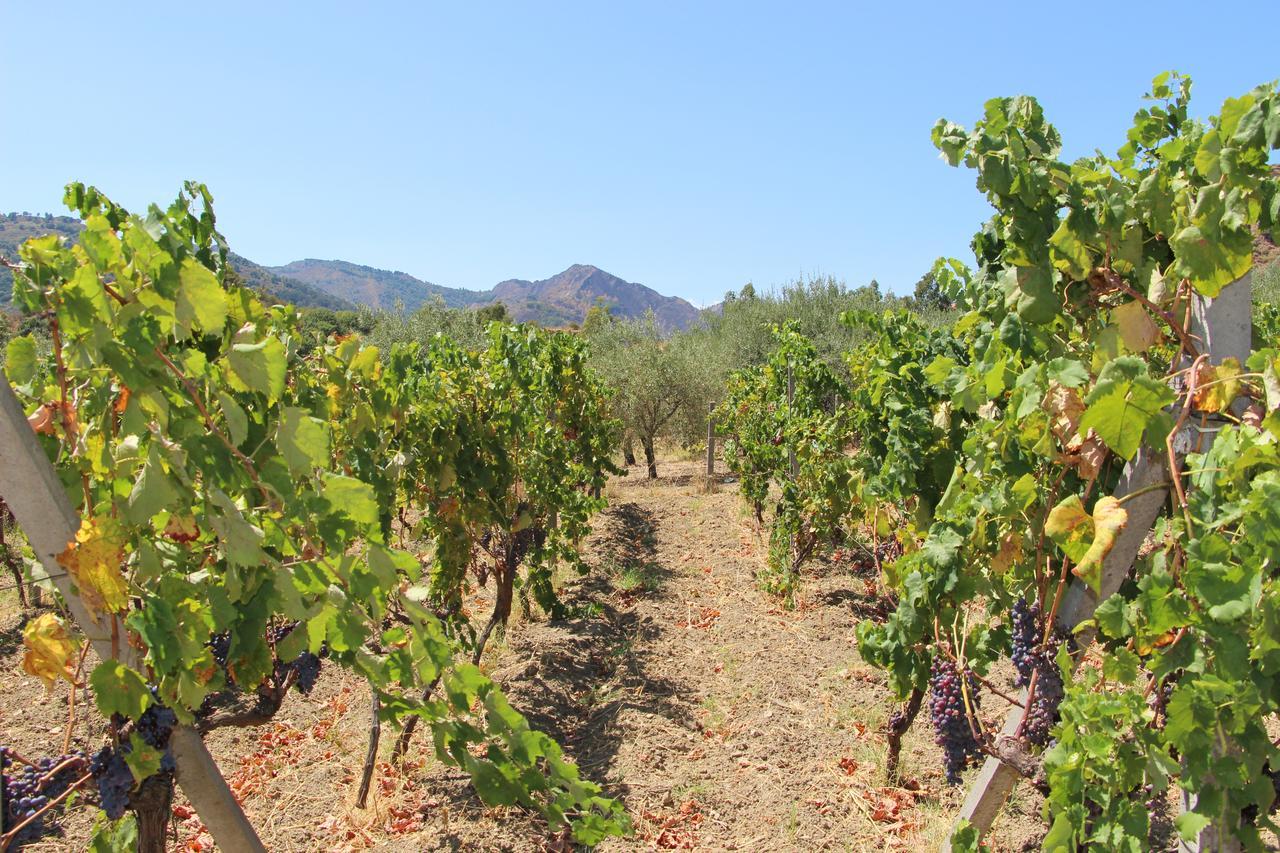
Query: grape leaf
[(201, 303), (49, 649), (259, 367), (1124, 403), (119, 690)]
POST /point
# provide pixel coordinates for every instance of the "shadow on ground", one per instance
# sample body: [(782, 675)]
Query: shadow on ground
[(576, 676), (573, 678)]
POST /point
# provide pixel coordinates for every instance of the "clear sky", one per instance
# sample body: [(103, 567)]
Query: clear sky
[(692, 146)]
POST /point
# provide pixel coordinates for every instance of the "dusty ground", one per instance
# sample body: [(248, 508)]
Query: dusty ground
[(723, 721)]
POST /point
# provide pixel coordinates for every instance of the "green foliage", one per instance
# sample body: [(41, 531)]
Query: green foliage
[(1060, 370), (765, 427), (904, 428), (230, 478), (658, 386)]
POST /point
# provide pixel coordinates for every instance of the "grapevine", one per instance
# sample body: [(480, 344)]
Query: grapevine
[(230, 484), (1077, 362)]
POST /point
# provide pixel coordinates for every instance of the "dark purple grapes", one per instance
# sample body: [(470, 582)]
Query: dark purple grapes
[(1042, 714), (1026, 631), (155, 725), (951, 725), (307, 667), (220, 646), (27, 789), (114, 780)]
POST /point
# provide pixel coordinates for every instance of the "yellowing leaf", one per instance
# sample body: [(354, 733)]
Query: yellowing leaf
[(1070, 527), (1085, 538), (1089, 456), (1008, 553), (1109, 518), (1137, 330), (49, 650), (1223, 386), (94, 561), (1065, 408)]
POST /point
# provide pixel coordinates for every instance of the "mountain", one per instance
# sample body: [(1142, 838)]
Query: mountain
[(374, 287), (286, 288), (557, 301), (560, 300), (565, 298), (16, 228)]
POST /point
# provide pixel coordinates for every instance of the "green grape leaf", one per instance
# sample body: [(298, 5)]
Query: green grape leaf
[(1123, 404), (354, 498), (119, 690), (142, 758), (259, 367), (152, 491), (201, 303), (303, 440), (114, 836), (20, 360), (1191, 824), (237, 420)]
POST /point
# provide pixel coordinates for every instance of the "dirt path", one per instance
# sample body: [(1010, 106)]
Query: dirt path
[(723, 721)]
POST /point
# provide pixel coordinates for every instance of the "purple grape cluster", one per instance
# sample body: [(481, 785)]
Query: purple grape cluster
[(1043, 711), (952, 730), (306, 665), (28, 790), (1026, 632), (155, 725), (220, 645), (114, 780)]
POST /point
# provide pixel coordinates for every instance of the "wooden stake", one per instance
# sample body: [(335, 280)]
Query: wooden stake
[(38, 501)]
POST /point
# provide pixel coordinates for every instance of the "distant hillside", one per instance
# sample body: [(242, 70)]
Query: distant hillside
[(16, 228), (374, 287), (565, 298), (556, 301), (286, 289)]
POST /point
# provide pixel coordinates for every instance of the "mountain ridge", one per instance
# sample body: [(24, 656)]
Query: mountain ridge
[(560, 300)]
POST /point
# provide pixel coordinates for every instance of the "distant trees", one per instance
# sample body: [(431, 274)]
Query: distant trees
[(497, 312), (928, 294), (318, 324), (654, 381)]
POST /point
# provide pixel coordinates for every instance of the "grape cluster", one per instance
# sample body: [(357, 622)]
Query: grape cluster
[(306, 665), (220, 645), (1043, 711), (952, 730), (28, 790), (114, 780), (155, 725), (1026, 636)]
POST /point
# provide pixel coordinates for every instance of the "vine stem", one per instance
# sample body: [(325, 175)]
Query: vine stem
[(71, 701)]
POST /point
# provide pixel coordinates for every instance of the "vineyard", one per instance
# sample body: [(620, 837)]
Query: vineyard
[(996, 576)]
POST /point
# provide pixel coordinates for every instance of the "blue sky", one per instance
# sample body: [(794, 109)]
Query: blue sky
[(692, 146)]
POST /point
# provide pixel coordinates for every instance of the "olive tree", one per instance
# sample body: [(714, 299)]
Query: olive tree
[(655, 382)]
